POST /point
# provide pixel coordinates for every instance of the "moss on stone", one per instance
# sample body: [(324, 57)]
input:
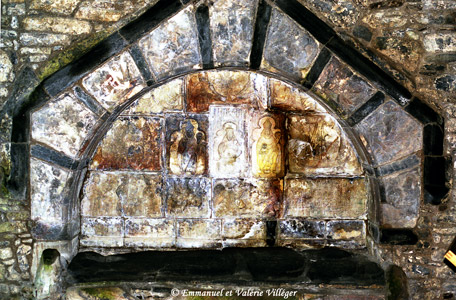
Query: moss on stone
[(102, 293)]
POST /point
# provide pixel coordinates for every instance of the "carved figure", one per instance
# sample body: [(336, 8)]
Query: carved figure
[(187, 150), (267, 149), (229, 148)]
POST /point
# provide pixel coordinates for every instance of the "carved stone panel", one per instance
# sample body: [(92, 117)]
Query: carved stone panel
[(144, 196), (102, 232), (227, 142), (325, 198), (131, 143), (186, 144), (149, 233), (188, 197), (196, 233), (317, 146), (167, 97), (115, 81), (225, 87), (252, 198), (244, 233), (289, 98), (266, 145)]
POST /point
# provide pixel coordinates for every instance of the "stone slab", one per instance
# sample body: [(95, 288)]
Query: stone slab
[(340, 84), (244, 233), (186, 144), (188, 197), (225, 87), (173, 47), (102, 232), (286, 97), (115, 81), (144, 198), (132, 143), (325, 198), (291, 54), (247, 198), (48, 185), (317, 145), (231, 25), (199, 233), (227, 142), (390, 133), (63, 124), (149, 233), (301, 229), (165, 98), (403, 198), (346, 233)]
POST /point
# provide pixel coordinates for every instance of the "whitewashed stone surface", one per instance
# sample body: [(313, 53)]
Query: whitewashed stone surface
[(63, 124), (115, 81), (173, 46)]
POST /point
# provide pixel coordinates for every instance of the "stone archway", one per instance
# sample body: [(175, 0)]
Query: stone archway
[(85, 98)]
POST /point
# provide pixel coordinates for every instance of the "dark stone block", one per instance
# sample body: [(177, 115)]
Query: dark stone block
[(141, 63), (204, 36), (259, 36), (53, 156), (150, 19), (433, 140), (319, 29), (446, 83), (397, 283), (433, 194), (362, 32), (18, 180), (91, 103), (442, 58), (423, 112), (48, 232), (25, 83), (318, 66), (398, 237), (71, 73), (302, 229), (367, 68), (396, 166), (375, 101)]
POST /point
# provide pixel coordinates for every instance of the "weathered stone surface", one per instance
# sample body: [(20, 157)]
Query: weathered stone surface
[(402, 196), (198, 233), (115, 81), (173, 46), (390, 133), (318, 146), (257, 198), (227, 144), (57, 6), (153, 233), (6, 68), (63, 124), (103, 193), (293, 53), (244, 232), (225, 87), (102, 232), (188, 197), (57, 24), (386, 18), (97, 293), (144, 196), (325, 198), (100, 11), (186, 145), (6, 253), (346, 233), (440, 42), (43, 39), (232, 30), (122, 194), (342, 13), (338, 83), (301, 229), (289, 98), (22, 252), (266, 143), (131, 143), (446, 83), (48, 189), (165, 98)]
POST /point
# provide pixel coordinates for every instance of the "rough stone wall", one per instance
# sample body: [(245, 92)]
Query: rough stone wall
[(415, 40)]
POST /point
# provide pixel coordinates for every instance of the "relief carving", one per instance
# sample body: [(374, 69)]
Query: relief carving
[(267, 154)]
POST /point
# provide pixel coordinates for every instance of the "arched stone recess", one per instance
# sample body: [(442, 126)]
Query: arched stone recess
[(131, 83)]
